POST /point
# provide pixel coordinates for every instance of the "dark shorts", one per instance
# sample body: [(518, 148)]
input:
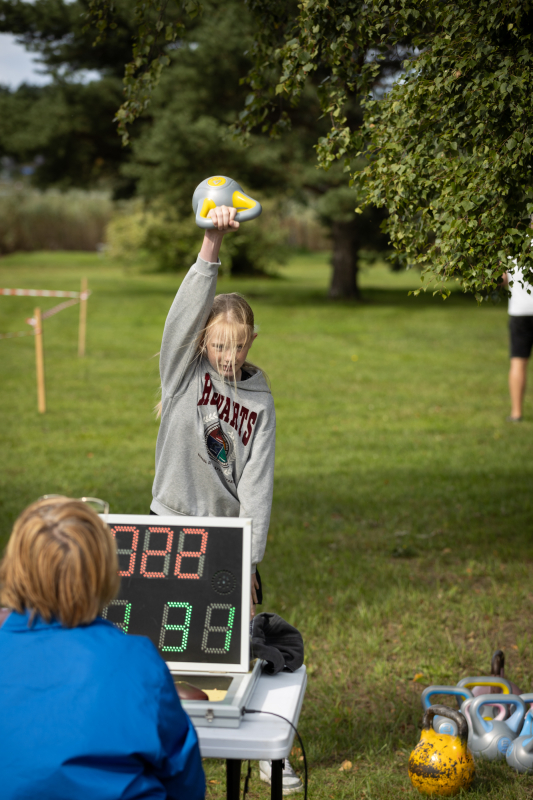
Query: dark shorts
[(521, 336), (259, 591)]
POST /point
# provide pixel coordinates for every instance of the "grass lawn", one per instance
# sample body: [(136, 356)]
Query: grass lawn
[(400, 542)]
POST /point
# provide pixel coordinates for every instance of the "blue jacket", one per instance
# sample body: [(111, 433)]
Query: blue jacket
[(89, 712)]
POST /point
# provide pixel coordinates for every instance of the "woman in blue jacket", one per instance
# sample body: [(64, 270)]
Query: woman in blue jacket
[(86, 712)]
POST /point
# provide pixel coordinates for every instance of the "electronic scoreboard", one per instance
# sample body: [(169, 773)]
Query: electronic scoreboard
[(185, 583)]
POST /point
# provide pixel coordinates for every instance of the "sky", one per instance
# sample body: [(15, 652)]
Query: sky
[(17, 65)]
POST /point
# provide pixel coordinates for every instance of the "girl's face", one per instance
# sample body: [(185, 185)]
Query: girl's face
[(225, 355)]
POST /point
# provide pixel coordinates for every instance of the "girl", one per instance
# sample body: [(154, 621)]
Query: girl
[(215, 447)]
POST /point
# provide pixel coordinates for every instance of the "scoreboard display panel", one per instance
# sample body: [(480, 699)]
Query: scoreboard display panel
[(185, 584)]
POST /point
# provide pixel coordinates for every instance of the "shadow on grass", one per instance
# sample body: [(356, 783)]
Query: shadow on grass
[(291, 295)]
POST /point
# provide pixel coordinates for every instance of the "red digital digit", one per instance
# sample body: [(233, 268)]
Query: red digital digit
[(147, 552), (130, 551), (199, 554)]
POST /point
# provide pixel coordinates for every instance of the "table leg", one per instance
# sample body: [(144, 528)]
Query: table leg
[(276, 788), (233, 779)]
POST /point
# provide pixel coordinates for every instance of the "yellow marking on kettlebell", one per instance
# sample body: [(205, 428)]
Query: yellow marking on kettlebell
[(240, 201), (207, 205), (441, 764), (503, 685), (219, 190)]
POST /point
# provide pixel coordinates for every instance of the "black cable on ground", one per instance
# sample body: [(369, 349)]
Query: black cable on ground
[(295, 729), (247, 781)]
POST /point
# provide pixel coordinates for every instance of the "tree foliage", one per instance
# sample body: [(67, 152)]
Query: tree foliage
[(449, 148), (158, 24), (199, 96), (67, 125)]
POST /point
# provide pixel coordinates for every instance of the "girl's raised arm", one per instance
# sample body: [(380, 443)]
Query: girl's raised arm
[(192, 304)]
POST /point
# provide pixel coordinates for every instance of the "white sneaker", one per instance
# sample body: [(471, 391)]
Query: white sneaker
[(291, 782)]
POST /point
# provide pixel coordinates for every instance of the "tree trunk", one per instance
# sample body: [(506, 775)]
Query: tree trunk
[(344, 262)]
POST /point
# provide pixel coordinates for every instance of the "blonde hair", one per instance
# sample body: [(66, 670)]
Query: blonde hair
[(231, 316), (60, 561)]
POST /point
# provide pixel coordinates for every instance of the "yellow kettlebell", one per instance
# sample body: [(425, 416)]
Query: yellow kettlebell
[(441, 764)]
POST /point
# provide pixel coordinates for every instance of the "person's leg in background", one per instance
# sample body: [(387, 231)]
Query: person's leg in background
[(517, 386), (521, 344)]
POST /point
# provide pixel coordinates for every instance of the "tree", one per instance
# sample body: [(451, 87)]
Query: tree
[(66, 130), (68, 125), (199, 97), (449, 147), (183, 133)]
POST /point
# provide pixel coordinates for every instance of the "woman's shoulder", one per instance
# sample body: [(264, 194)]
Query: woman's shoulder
[(123, 646)]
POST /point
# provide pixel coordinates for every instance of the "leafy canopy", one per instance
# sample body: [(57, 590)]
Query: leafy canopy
[(158, 25), (451, 145), (448, 148)]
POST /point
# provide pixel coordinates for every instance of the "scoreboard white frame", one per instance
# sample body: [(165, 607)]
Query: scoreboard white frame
[(245, 524)]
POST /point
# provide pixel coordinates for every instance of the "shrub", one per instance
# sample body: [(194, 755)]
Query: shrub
[(156, 237)]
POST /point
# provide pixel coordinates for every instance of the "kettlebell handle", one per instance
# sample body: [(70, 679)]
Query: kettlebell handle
[(450, 713), (513, 723), (241, 216), (497, 665)]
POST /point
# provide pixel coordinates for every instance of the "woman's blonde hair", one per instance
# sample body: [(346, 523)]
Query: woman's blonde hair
[(60, 561)]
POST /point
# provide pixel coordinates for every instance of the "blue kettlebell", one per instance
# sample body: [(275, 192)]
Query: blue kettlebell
[(528, 699), (444, 724), (222, 191), (519, 754), (490, 739)]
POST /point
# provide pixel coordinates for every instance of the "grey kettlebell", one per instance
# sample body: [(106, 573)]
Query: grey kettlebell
[(492, 683), (492, 711), (444, 724), (490, 739), (222, 191), (520, 752)]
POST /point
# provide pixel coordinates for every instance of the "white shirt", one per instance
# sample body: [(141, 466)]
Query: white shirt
[(521, 299)]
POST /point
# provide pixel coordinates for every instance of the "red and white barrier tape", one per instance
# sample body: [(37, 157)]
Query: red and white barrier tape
[(42, 293), (51, 311)]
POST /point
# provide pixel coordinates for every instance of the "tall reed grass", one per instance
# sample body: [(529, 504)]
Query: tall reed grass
[(52, 220), (133, 233)]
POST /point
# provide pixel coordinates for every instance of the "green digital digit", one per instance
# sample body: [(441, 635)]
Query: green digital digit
[(184, 628), (127, 611), (227, 629)]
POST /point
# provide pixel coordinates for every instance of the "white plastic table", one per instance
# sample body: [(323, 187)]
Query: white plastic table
[(260, 736)]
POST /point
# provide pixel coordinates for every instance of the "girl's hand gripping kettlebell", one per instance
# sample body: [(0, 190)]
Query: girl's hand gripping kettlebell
[(222, 191)]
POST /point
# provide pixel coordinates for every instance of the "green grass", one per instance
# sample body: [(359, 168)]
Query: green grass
[(400, 542)]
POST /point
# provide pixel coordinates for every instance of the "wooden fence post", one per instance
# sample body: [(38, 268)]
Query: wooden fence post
[(83, 318), (39, 361)]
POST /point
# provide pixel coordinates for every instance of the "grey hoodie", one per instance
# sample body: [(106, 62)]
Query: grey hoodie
[(215, 448)]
